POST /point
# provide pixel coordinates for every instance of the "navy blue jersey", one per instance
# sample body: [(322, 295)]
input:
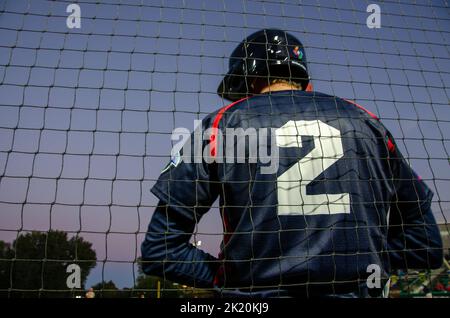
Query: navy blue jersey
[(341, 198)]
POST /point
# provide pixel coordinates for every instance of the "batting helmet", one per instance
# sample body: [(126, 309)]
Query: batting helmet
[(262, 56)]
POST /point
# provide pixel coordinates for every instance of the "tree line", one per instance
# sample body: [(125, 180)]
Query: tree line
[(35, 265)]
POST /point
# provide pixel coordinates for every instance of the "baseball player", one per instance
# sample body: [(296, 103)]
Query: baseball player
[(341, 210)]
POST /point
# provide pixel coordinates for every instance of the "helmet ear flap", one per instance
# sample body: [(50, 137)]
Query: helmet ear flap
[(237, 83), (234, 82), (234, 87)]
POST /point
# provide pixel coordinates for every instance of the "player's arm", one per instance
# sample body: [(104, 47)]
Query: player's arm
[(167, 252), (414, 240), (186, 189)]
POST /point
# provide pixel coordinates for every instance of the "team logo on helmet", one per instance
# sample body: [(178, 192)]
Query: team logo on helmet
[(297, 52)]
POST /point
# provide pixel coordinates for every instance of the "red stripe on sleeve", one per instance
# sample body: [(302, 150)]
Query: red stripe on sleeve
[(391, 146), (361, 107), (215, 125)]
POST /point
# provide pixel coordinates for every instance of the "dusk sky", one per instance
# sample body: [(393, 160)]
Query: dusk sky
[(86, 113)]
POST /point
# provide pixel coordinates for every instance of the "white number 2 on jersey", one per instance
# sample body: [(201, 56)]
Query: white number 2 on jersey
[(292, 196)]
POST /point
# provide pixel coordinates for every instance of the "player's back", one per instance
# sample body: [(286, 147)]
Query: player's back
[(312, 206)]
